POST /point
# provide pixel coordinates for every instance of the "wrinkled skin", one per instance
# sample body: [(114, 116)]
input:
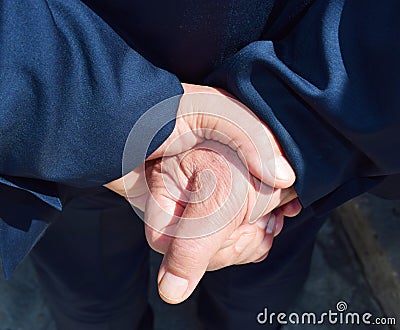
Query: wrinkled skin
[(197, 211), (199, 203)]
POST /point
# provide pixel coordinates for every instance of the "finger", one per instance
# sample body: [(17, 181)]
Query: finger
[(292, 208), (233, 254), (186, 260), (260, 243), (132, 185), (265, 199), (183, 265), (165, 204), (274, 227), (212, 115), (161, 218), (279, 221), (252, 242), (234, 124)]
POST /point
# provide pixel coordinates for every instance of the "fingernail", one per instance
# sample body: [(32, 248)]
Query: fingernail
[(280, 169), (262, 223), (271, 224), (173, 287)]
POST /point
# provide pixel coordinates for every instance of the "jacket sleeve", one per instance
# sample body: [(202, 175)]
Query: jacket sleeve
[(70, 92), (329, 89)]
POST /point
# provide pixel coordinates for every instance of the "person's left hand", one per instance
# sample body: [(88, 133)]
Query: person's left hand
[(204, 211)]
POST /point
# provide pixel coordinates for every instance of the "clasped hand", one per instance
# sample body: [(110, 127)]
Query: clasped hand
[(209, 199)]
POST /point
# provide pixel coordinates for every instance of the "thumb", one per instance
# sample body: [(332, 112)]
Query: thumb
[(213, 210), (190, 250), (183, 266)]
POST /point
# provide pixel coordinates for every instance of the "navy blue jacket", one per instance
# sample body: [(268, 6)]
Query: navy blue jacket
[(75, 77)]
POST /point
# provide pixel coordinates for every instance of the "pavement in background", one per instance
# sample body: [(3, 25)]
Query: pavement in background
[(384, 219)]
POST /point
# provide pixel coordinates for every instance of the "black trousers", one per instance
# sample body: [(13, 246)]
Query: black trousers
[(93, 265)]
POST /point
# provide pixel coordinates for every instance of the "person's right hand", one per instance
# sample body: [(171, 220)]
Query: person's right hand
[(198, 213), (207, 113)]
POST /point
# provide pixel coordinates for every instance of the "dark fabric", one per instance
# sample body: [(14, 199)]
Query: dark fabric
[(328, 89), (15, 244), (324, 75), (71, 90), (231, 298), (93, 264)]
